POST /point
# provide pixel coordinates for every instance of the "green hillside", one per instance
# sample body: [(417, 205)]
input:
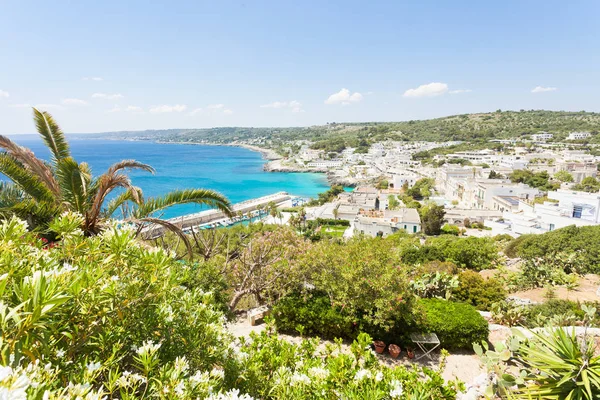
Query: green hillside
[(467, 127)]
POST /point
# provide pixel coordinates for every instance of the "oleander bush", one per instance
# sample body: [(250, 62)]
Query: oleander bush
[(312, 314), (457, 325), (477, 291), (108, 317)]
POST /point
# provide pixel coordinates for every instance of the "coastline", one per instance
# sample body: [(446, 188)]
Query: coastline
[(273, 160)]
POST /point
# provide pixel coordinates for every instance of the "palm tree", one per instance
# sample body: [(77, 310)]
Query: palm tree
[(40, 190)]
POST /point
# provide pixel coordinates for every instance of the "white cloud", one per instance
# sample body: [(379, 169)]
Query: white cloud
[(134, 109), (459, 91), (74, 102), (293, 105), (211, 109), (4, 93), (107, 96), (429, 90), (542, 89), (92, 78), (166, 108), (344, 97)]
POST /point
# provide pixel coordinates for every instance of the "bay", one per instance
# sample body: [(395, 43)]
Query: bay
[(234, 171)]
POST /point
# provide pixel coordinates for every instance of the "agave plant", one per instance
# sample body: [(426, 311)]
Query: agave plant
[(40, 190)]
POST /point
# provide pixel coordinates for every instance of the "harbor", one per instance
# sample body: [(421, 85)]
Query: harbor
[(249, 210)]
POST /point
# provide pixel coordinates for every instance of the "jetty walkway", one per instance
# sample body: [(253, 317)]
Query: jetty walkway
[(209, 216)]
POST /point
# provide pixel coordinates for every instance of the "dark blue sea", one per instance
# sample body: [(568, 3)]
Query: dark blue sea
[(236, 172)]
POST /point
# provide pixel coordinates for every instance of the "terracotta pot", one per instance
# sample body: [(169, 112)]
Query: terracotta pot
[(394, 350), (379, 346), (411, 353)]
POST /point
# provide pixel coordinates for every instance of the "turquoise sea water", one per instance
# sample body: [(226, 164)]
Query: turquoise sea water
[(233, 171)]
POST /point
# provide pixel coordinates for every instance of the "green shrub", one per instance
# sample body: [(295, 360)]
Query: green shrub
[(457, 325), (312, 315), (421, 254), (448, 229), (471, 252), (559, 312), (477, 291), (583, 240)]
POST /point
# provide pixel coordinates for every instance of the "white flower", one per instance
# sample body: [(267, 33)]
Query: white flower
[(319, 373), (378, 376), (397, 389), (60, 353), (5, 373), (93, 366), (181, 364), (362, 374), (200, 377), (114, 278), (179, 388), (231, 395), (148, 347), (299, 379), (217, 373)]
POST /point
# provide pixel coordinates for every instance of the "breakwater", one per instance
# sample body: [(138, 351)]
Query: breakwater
[(209, 216)]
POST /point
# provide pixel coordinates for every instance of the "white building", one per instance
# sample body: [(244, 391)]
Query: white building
[(388, 222), (569, 208), (325, 164), (578, 135), (542, 136), (400, 177)]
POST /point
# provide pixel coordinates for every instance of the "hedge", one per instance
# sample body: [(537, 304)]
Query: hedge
[(457, 325)]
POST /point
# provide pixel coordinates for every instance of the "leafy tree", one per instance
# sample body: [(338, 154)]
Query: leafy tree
[(393, 202), (563, 176), (432, 218), (588, 184), (383, 184), (495, 175), (422, 188)]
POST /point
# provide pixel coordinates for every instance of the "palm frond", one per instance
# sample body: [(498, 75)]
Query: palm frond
[(31, 163), (106, 184), (51, 134), (74, 180), (128, 164), (171, 227), (207, 197), (129, 195), (26, 181), (10, 195), (37, 214)]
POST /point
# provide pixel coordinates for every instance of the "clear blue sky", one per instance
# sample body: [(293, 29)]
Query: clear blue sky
[(116, 65)]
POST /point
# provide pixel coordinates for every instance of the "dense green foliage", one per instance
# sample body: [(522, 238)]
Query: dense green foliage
[(432, 219), (581, 240), (588, 184), (539, 180), (470, 252), (107, 316), (477, 291), (457, 325)]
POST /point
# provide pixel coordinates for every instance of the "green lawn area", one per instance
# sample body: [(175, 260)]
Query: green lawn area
[(334, 230)]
